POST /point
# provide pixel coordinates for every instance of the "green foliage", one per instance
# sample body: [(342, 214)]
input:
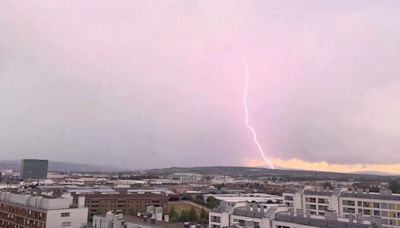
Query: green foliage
[(394, 185), (131, 211), (184, 216), (192, 215), (100, 211), (212, 202), (173, 215), (203, 219)]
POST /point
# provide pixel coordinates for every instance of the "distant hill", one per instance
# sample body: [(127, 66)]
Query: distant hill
[(250, 171), (63, 166)]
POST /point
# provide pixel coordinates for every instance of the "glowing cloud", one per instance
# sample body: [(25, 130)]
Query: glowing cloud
[(247, 118), (328, 167)]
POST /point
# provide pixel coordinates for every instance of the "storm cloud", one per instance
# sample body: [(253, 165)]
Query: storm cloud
[(145, 84)]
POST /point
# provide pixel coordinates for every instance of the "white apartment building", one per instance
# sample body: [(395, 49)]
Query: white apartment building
[(146, 220), (253, 216), (23, 210), (345, 203)]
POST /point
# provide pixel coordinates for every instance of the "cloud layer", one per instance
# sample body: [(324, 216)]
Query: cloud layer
[(159, 83)]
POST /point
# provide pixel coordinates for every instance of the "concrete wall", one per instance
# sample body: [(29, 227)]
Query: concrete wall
[(53, 204), (77, 217)]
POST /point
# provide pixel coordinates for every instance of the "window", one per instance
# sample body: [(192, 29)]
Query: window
[(349, 210), (366, 204), (65, 214), (290, 198), (322, 208), (65, 224), (311, 206), (216, 219), (349, 203), (324, 201)]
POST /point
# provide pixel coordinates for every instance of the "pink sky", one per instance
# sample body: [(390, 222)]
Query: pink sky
[(159, 83)]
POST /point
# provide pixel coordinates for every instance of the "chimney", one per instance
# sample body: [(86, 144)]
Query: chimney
[(332, 216), (81, 201), (299, 213), (351, 218), (360, 218), (166, 218), (291, 212), (255, 207)]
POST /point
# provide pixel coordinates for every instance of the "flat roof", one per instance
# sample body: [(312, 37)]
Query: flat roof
[(284, 217), (377, 196)]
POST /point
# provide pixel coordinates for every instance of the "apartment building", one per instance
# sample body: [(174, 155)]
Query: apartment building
[(27, 211), (316, 202), (345, 203), (253, 216), (145, 220), (97, 202)]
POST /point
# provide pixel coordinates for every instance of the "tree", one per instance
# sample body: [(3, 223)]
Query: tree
[(192, 215), (212, 202), (100, 211), (173, 215), (183, 217), (131, 211), (203, 216), (394, 185)]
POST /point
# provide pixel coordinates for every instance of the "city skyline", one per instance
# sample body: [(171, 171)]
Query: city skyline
[(148, 84)]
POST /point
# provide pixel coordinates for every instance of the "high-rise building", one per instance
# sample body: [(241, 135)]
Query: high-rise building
[(34, 169)]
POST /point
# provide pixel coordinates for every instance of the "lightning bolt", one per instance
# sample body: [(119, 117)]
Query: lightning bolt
[(247, 118)]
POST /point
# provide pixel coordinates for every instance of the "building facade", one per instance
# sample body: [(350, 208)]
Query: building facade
[(133, 202), (146, 220), (34, 169), (252, 216), (384, 205), (26, 211)]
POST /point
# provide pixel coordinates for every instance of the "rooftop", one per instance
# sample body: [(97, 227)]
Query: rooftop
[(317, 222)]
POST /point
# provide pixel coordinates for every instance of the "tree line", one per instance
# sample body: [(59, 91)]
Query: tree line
[(188, 216)]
